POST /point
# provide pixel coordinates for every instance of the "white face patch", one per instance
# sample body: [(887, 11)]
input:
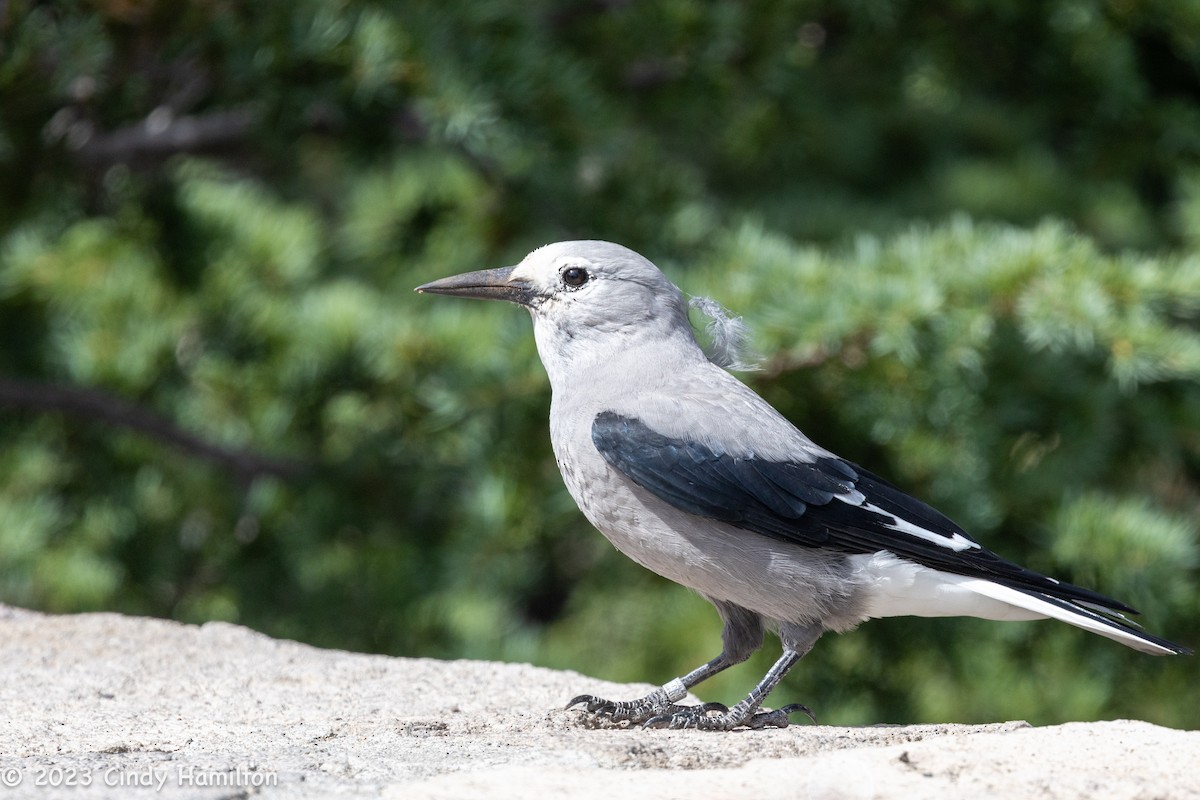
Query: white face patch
[(540, 272), (544, 271)]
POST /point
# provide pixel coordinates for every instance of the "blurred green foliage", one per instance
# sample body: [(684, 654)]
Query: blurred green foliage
[(966, 235)]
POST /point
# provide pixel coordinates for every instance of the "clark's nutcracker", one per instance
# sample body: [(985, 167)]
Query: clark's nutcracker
[(694, 476)]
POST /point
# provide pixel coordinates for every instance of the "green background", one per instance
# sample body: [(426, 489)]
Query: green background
[(965, 235)]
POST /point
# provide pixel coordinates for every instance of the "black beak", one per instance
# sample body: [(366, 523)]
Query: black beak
[(486, 284)]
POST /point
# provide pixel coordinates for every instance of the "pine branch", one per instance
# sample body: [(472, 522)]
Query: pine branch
[(101, 406)]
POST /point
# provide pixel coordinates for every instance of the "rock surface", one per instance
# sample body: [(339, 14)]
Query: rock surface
[(101, 705)]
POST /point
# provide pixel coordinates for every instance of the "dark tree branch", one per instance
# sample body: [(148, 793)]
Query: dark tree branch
[(162, 134), (104, 407)]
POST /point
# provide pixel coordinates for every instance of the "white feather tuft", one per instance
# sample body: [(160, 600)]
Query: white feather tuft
[(728, 336)]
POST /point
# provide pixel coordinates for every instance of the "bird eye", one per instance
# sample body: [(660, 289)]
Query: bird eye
[(575, 276)]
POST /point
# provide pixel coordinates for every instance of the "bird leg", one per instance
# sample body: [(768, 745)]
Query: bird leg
[(797, 640), (746, 713), (741, 635)]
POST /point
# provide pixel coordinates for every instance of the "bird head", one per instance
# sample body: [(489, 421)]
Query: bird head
[(590, 281), (589, 299)]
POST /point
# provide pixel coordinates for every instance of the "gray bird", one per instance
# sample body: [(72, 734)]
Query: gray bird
[(694, 476)]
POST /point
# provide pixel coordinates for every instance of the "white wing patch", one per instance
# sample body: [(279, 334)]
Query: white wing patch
[(957, 542)]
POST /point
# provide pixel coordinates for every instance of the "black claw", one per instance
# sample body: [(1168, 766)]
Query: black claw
[(624, 710), (794, 707), (593, 704), (720, 708), (583, 698)]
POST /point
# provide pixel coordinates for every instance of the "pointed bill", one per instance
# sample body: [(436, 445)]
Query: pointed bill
[(486, 284)]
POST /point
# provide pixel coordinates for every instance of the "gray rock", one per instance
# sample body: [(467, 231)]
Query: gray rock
[(102, 705)]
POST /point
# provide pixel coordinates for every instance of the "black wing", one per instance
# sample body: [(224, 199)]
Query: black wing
[(798, 502)]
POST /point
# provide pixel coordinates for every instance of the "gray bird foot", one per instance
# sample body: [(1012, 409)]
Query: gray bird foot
[(743, 714), (653, 705)]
